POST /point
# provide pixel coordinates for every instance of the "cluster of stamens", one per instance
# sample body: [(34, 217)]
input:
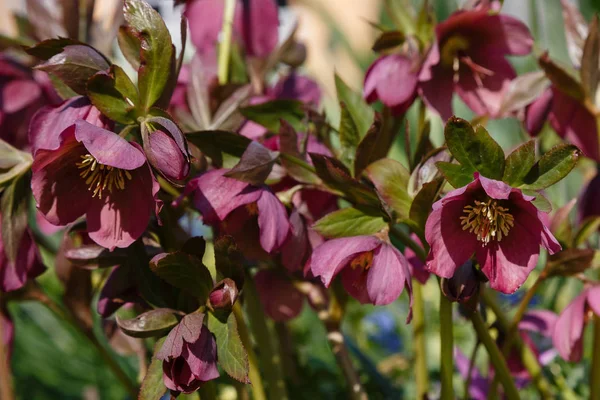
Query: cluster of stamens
[(100, 177), (363, 261), (488, 220), (453, 54)]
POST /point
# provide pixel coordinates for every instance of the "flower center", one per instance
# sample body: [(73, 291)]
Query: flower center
[(362, 260), (452, 49), (100, 177), (488, 220)]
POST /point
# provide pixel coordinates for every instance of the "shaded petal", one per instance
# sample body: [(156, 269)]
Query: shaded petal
[(278, 296), (537, 112), (298, 87), (568, 331), (388, 275), (355, 283), (541, 321), (393, 80), (272, 222), (530, 218), (27, 265), (502, 35), (589, 204), (202, 356), (119, 289), (259, 23), (437, 92), (166, 156), (415, 265), (593, 299), (296, 249)]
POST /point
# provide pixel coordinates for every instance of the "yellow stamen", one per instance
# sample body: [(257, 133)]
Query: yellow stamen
[(363, 261), (488, 220), (451, 49), (100, 177)]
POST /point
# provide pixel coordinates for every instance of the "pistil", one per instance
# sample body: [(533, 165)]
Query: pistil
[(100, 177), (488, 220)]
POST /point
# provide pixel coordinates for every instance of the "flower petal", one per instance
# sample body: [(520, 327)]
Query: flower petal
[(541, 321), (272, 222), (393, 80), (536, 114), (388, 275), (495, 189), (278, 296), (568, 331), (202, 356), (593, 299), (437, 92)]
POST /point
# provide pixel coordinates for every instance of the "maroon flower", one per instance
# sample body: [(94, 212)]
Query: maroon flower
[(189, 355), (568, 332), (373, 271), (95, 172), (497, 223), (27, 264), (216, 196), (589, 205), (278, 296), (468, 57), (393, 80), (166, 148)]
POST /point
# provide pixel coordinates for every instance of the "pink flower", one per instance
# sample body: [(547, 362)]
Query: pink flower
[(568, 332), (278, 296), (497, 223), (91, 171), (189, 355), (416, 266), (468, 57), (373, 271), (589, 204), (216, 196)]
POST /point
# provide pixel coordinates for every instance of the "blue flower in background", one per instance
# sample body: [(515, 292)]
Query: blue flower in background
[(382, 327)]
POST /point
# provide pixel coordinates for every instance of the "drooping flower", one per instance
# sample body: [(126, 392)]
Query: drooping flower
[(468, 57), (26, 265), (217, 196), (94, 172), (166, 148), (278, 296), (568, 331), (189, 355), (497, 223), (463, 284), (373, 271)]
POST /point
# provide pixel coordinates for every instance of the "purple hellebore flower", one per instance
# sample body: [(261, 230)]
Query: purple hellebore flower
[(216, 196), (589, 204), (568, 331), (278, 296), (119, 289), (497, 223), (296, 249), (189, 355), (90, 170), (27, 264), (166, 148), (468, 57), (393, 80), (373, 271), (415, 265)]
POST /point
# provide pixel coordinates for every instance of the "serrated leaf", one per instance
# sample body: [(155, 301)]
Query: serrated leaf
[(153, 387), (362, 114), (457, 175), (552, 167), (587, 228), (46, 49), (232, 354), (270, 113), (421, 204), (519, 163), (213, 143), (152, 323), (130, 45), (349, 137), (184, 271), (157, 58), (229, 260), (540, 201), (391, 180), (474, 148), (560, 78), (115, 95), (348, 222), (255, 165), (13, 211), (13, 162)]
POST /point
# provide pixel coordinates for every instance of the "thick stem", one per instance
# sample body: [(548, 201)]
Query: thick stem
[(421, 372), (500, 367), (595, 371), (225, 44), (258, 389), (6, 388), (447, 343), (287, 352), (470, 370)]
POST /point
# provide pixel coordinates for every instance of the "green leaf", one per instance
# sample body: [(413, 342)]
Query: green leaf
[(184, 271), (270, 113), (213, 143), (348, 222), (552, 167), (474, 149), (362, 114), (13, 209), (115, 95), (157, 56), (288, 146), (13, 162), (540, 201), (229, 260), (232, 354), (388, 40), (130, 45), (569, 262), (391, 180), (255, 165), (349, 137), (153, 387), (560, 78), (152, 323), (374, 146), (587, 228), (421, 205), (519, 163), (590, 73), (47, 49), (457, 175)]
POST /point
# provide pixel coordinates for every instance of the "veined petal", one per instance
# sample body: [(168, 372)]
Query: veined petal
[(568, 331)]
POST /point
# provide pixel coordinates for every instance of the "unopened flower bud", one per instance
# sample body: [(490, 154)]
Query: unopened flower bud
[(463, 284), (224, 295)]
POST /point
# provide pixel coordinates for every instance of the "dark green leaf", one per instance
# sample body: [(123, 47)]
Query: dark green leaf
[(46, 49), (391, 180), (552, 167), (157, 58), (349, 137), (421, 205), (519, 163), (255, 165), (152, 323), (361, 113), (13, 209), (590, 72), (348, 222), (115, 95), (561, 78), (374, 146), (130, 45), (587, 228), (474, 149), (153, 387), (540, 201), (229, 260), (270, 113), (569, 262), (388, 40), (212, 143), (13, 162), (184, 271), (232, 354), (288, 145), (457, 175), (195, 246)]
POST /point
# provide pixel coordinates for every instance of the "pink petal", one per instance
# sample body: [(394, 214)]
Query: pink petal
[(502, 34), (259, 23), (296, 249), (537, 112), (27, 265), (568, 331), (593, 299), (387, 276), (393, 80), (438, 90), (541, 321), (278, 296), (495, 189), (298, 87), (18, 94), (202, 356), (272, 222)]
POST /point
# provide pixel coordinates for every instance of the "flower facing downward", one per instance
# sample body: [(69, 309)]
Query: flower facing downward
[(497, 223), (373, 271)]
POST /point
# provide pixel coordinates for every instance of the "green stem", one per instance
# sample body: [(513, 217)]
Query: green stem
[(208, 391), (595, 371), (258, 389), (447, 343), (500, 367), (421, 372), (225, 45), (269, 356), (298, 162), (408, 241)]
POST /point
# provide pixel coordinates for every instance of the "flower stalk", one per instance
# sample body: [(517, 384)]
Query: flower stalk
[(225, 44), (447, 343), (421, 373)]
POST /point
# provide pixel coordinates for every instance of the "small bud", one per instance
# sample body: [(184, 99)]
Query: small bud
[(295, 55), (224, 295), (463, 284)]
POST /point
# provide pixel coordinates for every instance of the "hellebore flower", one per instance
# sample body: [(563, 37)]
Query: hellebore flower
[(278, 296), (590, 205), (468, 57), (119, 289), (373, 271), (189, 355), (224, 295), (93, 171), (166, 148), (568, 331), (415, 265), (393, 80), (216, 196), (27, 264), (463, 284), (497, 223)]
